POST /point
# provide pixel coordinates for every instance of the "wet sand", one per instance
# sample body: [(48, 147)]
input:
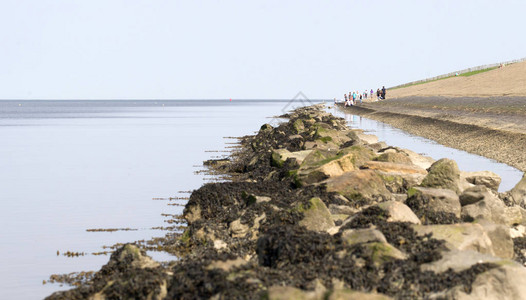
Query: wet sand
[(493, 127)]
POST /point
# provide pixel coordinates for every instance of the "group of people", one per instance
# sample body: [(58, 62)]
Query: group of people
[(356, 97)]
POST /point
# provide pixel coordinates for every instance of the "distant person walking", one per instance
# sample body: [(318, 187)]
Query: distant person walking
[(383, 92), (372, 93), (378, 94)]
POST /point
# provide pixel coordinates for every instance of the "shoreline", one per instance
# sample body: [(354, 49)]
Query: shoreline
[(317, 210), (456, 127)]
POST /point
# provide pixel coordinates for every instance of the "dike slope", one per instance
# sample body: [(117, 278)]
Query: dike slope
[(315, 210), (509, 81), (483, 114)]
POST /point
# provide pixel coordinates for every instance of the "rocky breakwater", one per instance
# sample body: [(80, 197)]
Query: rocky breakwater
[(316, 210)]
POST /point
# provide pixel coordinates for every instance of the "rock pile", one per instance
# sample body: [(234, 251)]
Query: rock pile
[(316, 210)]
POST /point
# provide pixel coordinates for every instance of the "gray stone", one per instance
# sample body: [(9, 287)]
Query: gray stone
[(465, 236), (500, 237), (485, 178), (459, 260), (474, 194), (493, 209), (367, 138), (518, 192), (358, 236), (422, 161), (399, 212), (507, 281)]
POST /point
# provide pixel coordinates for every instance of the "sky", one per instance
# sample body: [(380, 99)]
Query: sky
[(257, 49)]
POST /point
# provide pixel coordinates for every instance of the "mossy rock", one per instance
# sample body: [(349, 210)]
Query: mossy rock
[(360, 185), (316, 216), (381, 253), (443, 174), (298, 126), (266, 128)]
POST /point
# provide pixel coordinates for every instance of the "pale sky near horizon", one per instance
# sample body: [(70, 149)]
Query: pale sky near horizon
[(258, 49)]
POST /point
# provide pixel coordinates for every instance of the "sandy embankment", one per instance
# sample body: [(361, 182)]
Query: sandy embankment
[(483, 114)]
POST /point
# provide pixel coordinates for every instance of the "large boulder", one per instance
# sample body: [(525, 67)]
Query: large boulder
[(518, 193), (485, 178), (460, 260), (501, 240), (279, 156), (396, 157), (489, 207), (507, 281), (367, 138), (316, 216), (298, 126), (433, 205), (467, 236), (337, 137), (443, 174), (475, 194), (399, 212), (422, 161), (320, 165), (359, 185)]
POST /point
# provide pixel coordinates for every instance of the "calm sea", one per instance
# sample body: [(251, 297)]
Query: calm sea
[(69, 166)]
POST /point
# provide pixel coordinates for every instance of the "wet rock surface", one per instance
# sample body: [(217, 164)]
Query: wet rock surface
[(312, 211)]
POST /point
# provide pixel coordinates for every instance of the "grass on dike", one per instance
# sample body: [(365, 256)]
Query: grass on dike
[(467, 74)]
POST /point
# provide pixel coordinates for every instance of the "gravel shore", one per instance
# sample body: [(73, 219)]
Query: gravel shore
[(493, 127)]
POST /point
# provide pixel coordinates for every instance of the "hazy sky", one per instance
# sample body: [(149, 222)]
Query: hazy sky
[(150, 49)]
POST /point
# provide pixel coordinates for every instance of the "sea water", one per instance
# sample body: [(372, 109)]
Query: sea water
[(69, 166)]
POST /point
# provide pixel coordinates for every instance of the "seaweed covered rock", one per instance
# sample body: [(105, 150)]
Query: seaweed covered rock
[(434, 206), (443, 174), (129, 274)]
